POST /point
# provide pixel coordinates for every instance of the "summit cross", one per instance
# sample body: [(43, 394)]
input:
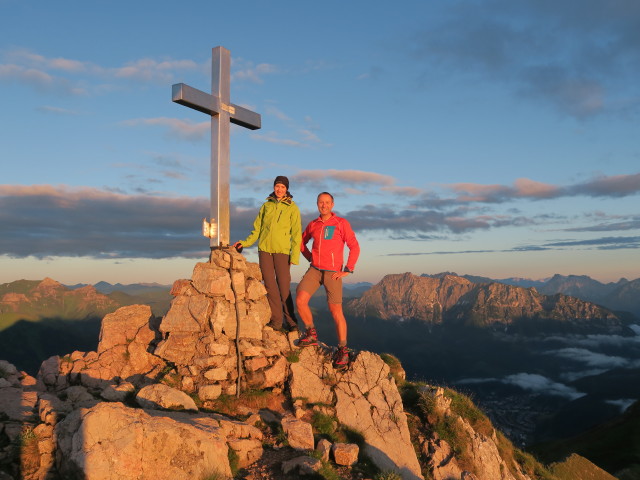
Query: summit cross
[(222, 112)]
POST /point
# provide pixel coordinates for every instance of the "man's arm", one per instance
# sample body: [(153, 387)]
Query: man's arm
[(306, 236), (354, 247)]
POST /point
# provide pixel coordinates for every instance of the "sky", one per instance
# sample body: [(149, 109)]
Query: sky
[(493, 138)]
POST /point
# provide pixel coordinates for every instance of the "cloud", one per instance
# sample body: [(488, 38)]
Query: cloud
[(615, 186), (580, 57), (274, 137), (181, 129), (631, 224), (354, 182), (78, 77), (603, 243), (590, 358), (300, 134), (597, 341), (247, 70), (45, 220), (622, 403), (531, 382), (37, 79), (150, 70)]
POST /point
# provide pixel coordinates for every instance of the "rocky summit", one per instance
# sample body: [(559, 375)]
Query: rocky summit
[(450, 299), (209, 391)]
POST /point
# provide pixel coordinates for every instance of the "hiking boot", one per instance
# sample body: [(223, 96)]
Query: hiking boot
[(341, 358), (308, 338)]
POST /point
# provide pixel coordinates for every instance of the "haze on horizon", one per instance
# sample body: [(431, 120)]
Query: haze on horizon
[(479, 137)]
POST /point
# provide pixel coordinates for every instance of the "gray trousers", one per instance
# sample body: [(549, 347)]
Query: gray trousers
[(276, 275)]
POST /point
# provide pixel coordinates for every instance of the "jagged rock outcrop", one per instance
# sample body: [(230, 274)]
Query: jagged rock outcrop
[(365, 398), (482, 453), (449, 299)]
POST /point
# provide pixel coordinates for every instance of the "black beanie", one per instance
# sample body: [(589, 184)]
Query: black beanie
[(283, 180)]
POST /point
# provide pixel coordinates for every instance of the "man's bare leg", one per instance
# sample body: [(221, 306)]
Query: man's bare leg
[(340, 322), (302, 302)]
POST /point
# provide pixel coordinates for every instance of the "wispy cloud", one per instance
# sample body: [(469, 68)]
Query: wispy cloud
[(299, 133), (604, 243), (247, 70), (181, 129), (79, 77), (531, 382)]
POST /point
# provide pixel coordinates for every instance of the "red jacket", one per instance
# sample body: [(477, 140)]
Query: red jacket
[(329, 238)]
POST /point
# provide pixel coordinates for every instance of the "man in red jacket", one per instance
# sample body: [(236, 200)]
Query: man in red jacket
[(330, 233)]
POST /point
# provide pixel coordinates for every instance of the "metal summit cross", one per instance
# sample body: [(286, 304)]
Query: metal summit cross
[(222, 111)]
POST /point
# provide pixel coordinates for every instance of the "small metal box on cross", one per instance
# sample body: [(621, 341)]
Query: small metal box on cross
[(222, 112)]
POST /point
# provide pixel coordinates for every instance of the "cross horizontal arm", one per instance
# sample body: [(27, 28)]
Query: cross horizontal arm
[(211, 105)]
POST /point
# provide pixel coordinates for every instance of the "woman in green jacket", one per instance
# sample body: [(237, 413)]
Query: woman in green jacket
[(279, 233)]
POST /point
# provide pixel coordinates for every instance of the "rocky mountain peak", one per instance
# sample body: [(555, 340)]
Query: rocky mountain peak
[(49, 287), (449, 299), (141, 405)]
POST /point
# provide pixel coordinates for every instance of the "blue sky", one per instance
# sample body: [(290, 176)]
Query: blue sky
[(493, 138)]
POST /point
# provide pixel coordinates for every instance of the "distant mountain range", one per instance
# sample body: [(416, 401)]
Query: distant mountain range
[(623, 295), (36, 300), (451, 299), (40, 318)]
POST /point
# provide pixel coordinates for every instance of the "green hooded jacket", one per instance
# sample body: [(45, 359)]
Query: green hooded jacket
[(277, 228)]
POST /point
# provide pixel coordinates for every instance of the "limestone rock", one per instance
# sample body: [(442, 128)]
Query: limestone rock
[(345, 453), (162, 396), (249, 450), (368, 401), (125, 338), (299, 433), (209, 392), (310, 378), (111, 441), (324, 448), (276, 373), (211, 279)]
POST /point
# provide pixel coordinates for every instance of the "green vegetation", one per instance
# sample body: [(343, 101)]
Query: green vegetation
[(293, 356), (233, 461), (327, 472), (578, 467), (386, 475), (325, 425), (27, 437), (397, 372), (614, 446), (19, 286)]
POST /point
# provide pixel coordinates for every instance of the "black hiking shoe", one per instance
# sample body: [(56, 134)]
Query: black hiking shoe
[(341, 358), (308, 338)]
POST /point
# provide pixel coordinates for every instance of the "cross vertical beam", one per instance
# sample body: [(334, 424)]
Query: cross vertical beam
[(222, 112), (220, 144)]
